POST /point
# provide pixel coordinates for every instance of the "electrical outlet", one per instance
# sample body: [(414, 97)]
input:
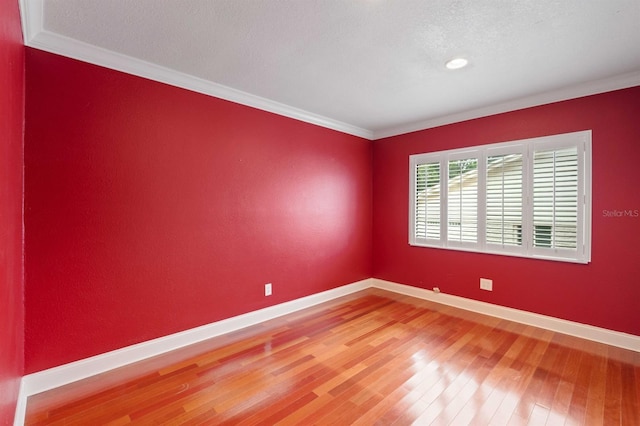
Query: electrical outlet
[(486, 284), (267, 289)]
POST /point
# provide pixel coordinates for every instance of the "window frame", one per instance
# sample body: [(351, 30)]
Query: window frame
[(527, 148)]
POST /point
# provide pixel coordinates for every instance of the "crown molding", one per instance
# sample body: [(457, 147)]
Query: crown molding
[(32, 13), (571, 92), (32, 18), (37, 37)]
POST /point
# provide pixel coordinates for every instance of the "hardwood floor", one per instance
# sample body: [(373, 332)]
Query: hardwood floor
[(370, 358)]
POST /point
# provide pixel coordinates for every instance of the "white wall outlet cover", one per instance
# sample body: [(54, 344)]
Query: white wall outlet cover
[(486, 284)]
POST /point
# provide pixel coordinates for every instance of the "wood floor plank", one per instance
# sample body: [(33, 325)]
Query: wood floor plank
[(630, 389), (594, 411), (613, 392), (365, 359)]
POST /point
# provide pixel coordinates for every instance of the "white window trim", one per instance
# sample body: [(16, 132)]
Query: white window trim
[(582, 140)]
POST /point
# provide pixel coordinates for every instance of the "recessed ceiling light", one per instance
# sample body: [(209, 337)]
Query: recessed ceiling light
[(457, 63)]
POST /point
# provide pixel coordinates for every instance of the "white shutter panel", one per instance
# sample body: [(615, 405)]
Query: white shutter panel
[(462, 207), (433, 200), (427, 201), (420, 214), (555, 198), (504, 200)]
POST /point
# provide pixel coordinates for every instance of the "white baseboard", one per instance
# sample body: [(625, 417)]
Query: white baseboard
[(51, 378), (41, 381), (589, 332), (21, 406)]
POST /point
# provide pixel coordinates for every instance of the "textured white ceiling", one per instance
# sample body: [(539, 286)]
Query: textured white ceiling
[(367, 67)]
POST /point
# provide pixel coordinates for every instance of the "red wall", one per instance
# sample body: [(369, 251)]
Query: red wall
[(11, 143), (604, 293), (151, 209)]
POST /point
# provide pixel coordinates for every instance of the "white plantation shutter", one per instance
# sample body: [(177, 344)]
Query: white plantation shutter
[(427, 195), (462, 201), (529, 198), (504, 200), (555, 198), (426, 175), (433, 200), (420, 228)]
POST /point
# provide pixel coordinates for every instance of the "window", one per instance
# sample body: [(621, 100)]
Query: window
[(528, 198)]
